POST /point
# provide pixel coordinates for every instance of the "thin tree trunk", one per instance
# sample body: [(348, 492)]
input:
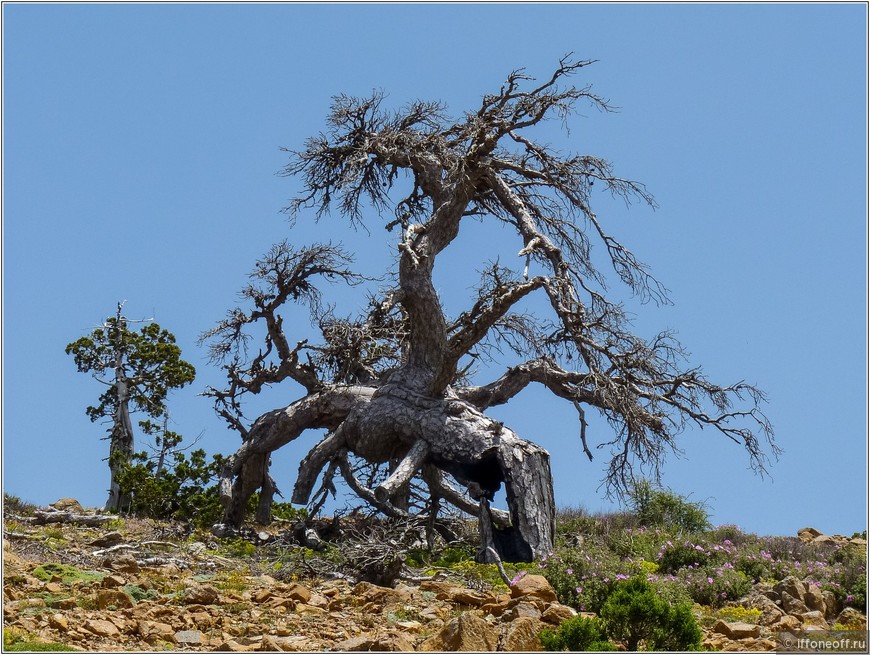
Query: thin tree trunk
[(122, 444)]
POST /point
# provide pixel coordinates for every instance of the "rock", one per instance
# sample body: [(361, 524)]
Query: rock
[(534, 585), (107, 540), (792, 586), (770, 611), (466, 632), (432, 613), (107, 598), (189, 638), (737, 631), (787, 623), (232, 646), (309, 610), (294, 643), (124, 563), (524, 610), (826, 539), (792, 605), (296, 592), (58, 622), (102, 628), (442, 590), (261, 596), (381, 643), (318, 600), (852, 619), (522, 635), (113, 581), (808, 534), (372, 593), (556, 613), (154, 632), (498, 606), (200, 595), (814, 599), (814, 621), (858, 541), (471, 597), (68, 505), (63, 603), (832, 605)]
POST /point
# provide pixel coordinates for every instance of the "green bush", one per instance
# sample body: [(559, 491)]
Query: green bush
[(634, 613), (674, 557), (180, 491), (577, 634), (660, 508)]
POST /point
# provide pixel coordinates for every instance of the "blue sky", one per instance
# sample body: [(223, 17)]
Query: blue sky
[(141, 145)]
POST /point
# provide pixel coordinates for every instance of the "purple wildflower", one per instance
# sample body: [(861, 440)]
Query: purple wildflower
[(519, 576)]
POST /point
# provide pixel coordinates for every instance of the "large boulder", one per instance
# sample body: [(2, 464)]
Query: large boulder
[(738, 630), (200, 595), (808, 534), (814, 599), (466, 632), (536, 586), (852, 619), (792, 605), (814, 621), (68, 505), (521, 635), (792, 586), (770, 611)]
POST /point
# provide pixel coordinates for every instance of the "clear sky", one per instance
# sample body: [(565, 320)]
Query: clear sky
[(141, 145)]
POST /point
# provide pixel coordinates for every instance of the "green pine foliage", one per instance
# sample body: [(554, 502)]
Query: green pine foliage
[(635, 614), (150, 358), (577, 634)]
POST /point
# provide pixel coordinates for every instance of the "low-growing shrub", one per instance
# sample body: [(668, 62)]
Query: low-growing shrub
[(665, 509), (714, 586), (634, 613), (577, 634), (675, 556)]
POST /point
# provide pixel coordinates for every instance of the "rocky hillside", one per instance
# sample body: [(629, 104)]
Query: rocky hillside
[(75, 580)]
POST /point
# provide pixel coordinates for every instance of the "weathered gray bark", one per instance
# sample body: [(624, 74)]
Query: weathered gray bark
[(121, 439), (397, 424)]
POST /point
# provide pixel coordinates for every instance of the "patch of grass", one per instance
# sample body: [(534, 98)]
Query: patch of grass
[(67, 574)]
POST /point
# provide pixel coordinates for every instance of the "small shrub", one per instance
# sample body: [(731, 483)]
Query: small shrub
[(238, 548), (715, 587), (635, 613), (14, 505), (674, 557), (577, 634), (666, 509), (139, 594)]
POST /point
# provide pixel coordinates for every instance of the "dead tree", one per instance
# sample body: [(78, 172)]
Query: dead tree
[(390, 386)]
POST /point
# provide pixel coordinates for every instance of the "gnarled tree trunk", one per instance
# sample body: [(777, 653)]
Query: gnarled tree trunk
[(390, 387)]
